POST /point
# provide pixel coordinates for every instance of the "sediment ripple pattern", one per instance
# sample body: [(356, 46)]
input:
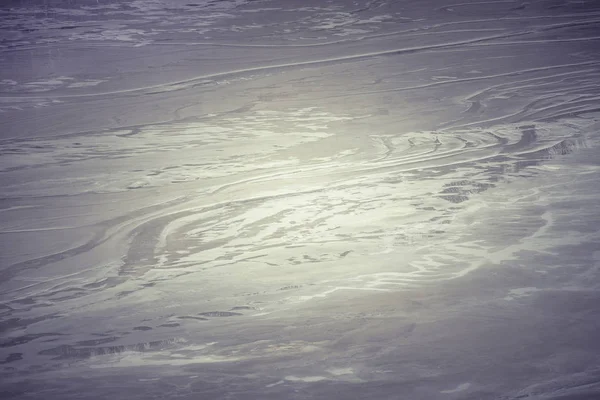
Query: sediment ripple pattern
[(221, 192)]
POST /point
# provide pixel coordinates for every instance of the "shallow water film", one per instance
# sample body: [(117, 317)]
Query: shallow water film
[(300, 199)]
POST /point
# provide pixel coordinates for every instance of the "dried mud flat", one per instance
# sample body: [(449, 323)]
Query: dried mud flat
[(296, 200)]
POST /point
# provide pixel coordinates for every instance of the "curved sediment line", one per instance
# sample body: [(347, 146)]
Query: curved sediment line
[(193, 81), (521, 84), (105, 231), (331, 169), (537, 42), (14, 270), (480, 78)]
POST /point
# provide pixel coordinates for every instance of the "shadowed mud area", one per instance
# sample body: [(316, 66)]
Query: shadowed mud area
[(271, 199)]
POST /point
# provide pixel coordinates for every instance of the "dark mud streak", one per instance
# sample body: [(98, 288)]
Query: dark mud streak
[(15, 341), (12, 357)]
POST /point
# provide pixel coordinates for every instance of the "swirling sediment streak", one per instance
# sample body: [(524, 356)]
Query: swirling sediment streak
[(303, 214), (333, 185)]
